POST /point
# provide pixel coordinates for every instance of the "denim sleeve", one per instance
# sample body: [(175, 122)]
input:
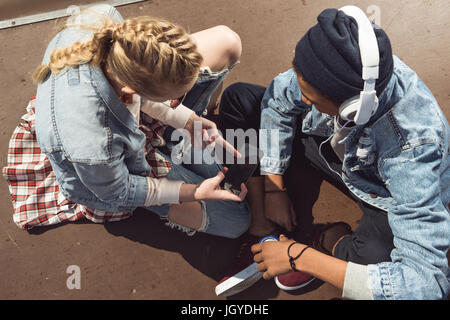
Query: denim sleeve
[(420, 224), (112, 183), (280, 107)]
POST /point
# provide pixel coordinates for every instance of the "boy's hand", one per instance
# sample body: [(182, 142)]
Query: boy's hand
[(272, 258)]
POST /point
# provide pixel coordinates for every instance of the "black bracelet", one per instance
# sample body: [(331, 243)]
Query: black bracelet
[(276, 190), (292, 259)]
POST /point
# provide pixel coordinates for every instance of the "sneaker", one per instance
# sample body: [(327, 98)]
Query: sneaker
[(323, 240), (293, 280), (245, 273)]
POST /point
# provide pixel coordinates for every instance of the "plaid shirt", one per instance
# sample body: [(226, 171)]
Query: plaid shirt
[(35, 194)]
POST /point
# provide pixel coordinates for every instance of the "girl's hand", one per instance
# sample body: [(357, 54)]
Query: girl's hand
[(204, 133), (210, 189), (272, 258)]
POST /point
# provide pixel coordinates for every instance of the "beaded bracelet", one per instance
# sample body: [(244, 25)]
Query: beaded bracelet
[(292, 259)]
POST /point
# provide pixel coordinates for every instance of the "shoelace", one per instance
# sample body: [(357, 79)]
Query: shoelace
[(242, 249), (190, 232)]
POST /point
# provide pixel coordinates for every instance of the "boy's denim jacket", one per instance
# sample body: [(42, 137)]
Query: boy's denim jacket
[(398, 162)]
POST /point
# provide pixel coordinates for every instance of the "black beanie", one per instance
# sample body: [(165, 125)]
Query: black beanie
[(328, 56)]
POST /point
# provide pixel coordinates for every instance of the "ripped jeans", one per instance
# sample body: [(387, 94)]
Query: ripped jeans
[(221, 218)]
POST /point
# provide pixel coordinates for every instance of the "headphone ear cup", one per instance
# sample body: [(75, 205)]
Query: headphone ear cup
[(349, 108)]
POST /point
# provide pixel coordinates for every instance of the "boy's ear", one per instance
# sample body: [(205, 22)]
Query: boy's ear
[(128, 90)]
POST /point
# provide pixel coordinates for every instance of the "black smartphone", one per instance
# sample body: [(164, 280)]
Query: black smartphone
[(241, 169)]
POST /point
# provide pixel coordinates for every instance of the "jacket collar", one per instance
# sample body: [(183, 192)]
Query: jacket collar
[(386, 100), (112, 101)]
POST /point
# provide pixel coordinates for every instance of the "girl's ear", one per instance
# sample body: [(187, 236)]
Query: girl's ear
[(128, 90)]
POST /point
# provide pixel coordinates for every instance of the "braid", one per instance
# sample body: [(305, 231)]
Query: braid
[(158, 43), (80, 52), (176, 43)]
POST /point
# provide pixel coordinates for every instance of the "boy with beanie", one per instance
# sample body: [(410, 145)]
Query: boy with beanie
[(395, 166)]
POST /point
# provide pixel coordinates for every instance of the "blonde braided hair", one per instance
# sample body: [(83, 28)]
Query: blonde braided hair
[(145, 53)]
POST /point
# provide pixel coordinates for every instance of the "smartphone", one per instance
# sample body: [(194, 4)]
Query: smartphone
[(241, 169)]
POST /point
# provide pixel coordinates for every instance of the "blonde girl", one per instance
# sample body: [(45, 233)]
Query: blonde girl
[(96, 139)]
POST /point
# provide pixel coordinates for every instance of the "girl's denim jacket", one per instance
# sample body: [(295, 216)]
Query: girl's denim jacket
[(398, 162), (91, 139)]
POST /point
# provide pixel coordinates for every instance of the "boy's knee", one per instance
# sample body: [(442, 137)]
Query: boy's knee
[(376, 251), (233, 92), (363, 250)]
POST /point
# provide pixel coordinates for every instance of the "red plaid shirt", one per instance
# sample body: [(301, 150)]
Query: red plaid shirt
[(35, 194)]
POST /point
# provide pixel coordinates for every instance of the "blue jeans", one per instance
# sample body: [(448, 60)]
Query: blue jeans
[(222, 218)]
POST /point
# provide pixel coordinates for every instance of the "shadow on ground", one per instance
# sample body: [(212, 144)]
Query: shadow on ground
[(213, 255)]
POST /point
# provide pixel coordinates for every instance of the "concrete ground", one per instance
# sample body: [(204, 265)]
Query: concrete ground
[(140, 258)]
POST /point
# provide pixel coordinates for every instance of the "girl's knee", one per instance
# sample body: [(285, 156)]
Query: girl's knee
[(232, 44), (237, 230), (231, 228)]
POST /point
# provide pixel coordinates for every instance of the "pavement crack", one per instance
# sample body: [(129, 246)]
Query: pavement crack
[(9, 236)]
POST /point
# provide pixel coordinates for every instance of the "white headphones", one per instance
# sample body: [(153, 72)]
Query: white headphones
[(360, 108)]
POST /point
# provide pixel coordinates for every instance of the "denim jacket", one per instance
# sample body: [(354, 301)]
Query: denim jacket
[(91, 139), (398, 162)]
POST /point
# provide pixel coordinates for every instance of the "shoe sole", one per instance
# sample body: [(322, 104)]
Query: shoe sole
[(239, 282), (243, 279), (283, 287)]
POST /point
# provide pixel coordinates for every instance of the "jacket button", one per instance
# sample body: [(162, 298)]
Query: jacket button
[(373, 195)]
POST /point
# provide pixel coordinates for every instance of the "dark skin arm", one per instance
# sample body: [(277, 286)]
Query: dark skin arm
[(272, 257), (273, 260), (277, 205)]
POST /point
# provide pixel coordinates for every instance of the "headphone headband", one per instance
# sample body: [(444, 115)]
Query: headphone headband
[(367, 41), (364, 106)]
